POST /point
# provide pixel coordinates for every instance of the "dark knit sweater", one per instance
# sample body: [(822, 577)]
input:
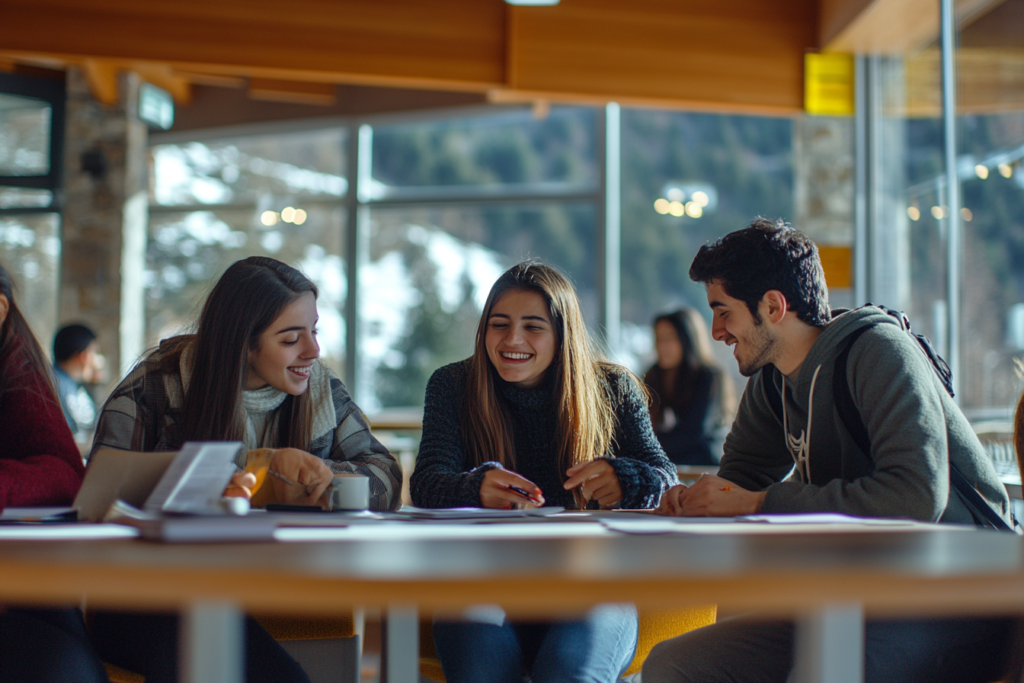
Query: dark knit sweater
[(39, 461), (443, 478)]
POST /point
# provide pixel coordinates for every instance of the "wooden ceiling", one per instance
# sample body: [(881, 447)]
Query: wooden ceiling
[(720, 55), (732, 55)]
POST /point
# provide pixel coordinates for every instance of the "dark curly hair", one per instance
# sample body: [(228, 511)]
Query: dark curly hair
[(767, 255)]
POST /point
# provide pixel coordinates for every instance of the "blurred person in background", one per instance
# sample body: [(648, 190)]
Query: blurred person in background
[(692, 398), (77, 362)]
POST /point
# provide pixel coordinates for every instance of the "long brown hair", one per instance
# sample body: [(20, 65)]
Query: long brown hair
[(698, 358), (246, 300), (584, 412), (20, 353)]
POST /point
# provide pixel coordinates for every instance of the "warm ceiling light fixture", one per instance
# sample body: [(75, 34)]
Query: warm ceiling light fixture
[(533, 3)]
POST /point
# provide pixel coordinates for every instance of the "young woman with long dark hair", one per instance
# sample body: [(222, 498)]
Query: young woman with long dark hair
[(39, 465), (536, 409), (250, 373), (692, 397)]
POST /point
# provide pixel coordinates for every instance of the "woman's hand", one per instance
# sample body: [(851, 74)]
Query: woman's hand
[(311, 475), (240, 486), (495, 491), (597, 481)]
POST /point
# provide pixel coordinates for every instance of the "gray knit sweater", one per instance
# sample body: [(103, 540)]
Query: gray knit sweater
[(444, 479)]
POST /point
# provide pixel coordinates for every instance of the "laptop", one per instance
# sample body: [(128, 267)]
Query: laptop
[(124, 475)]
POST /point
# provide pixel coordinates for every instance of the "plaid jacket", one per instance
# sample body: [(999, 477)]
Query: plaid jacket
[(143, 414)]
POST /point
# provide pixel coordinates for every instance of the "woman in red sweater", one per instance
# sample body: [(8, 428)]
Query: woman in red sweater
[(39, 465)]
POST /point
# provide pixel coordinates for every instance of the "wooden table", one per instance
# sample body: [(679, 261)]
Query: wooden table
[(827, 581)]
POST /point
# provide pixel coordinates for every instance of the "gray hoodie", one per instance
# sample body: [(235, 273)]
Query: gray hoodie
[(912, 422)]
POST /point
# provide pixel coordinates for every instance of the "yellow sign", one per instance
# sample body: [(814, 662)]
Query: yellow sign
[(828, 84), (837, 262)]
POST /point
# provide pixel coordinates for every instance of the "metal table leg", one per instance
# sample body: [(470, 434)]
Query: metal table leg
[(212, 643), (830, 646), (400, 656)]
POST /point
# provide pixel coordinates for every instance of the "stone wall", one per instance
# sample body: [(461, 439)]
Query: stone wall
[(104, 219)]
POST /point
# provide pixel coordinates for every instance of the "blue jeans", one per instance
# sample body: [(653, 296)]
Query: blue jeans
[(488, 648)]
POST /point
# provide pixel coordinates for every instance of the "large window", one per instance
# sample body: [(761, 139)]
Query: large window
[(216, 201), (689, 179), (429, 272), (440, 207), (31, 135), (451, 204), (990, 66)]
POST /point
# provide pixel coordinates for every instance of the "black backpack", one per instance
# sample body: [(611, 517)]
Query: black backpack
[(982, 512)]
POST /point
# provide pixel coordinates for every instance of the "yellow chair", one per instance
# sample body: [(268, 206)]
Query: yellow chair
[(654, 628), (118, 675)]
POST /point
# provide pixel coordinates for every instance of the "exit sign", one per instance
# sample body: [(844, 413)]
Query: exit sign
[(156, 106)]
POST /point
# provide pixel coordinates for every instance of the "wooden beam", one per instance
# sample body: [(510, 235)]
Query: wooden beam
[(888, 26), (102, 78), (163, 76), (740, 55), (457, 41), (295, 92), (989, 80), (715, 55)]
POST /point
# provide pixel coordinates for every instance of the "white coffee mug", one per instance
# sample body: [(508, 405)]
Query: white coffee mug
[(350, 492)]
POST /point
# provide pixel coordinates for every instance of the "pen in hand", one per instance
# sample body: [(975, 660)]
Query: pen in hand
[(528, 496), (288, 481)]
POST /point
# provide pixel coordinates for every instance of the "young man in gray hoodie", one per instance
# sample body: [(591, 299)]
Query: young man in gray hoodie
[(767, 293)]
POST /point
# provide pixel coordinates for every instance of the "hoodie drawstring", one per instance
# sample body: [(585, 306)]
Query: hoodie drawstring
[(800, 448)]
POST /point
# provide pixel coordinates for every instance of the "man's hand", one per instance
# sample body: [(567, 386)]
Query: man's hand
[(710, 496), (495, 491), (597, 481)]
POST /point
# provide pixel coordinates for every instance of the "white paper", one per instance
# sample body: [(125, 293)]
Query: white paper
[(196, 479), (40, 513), (476, 513), (66, 532), (826, 518), (401, 532)]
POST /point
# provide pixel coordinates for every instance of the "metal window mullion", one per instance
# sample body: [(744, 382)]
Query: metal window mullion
[(352, 260), (861, 247), (612, 261), (607, 224), (954, 235)]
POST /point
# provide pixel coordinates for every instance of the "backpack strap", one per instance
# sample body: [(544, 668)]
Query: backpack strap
[(843, 396), (982, 512), (980, 509)]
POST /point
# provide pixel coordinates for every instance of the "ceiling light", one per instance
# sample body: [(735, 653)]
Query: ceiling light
[(914, 213), (676, 209), (300, 217), (1005, 170), (938, 212), (268, 217), (288, 214), (967, 214), (981, 170), (661, 206), (694, 210)]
